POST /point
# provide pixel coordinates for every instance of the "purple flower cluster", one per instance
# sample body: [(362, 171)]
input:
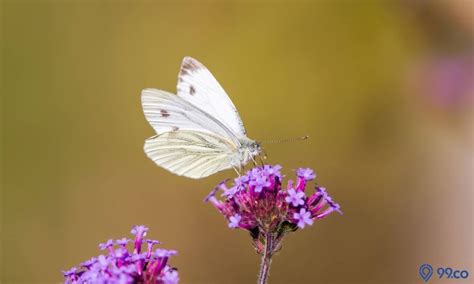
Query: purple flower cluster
[(122, 266), (258, 203)]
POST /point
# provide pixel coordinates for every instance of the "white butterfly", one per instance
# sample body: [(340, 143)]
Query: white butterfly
[(199, 131)]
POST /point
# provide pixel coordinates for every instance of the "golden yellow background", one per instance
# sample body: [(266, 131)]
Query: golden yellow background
[(74, 172)]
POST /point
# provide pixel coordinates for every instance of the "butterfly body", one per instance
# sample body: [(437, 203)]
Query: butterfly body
[(199, 131), (247, 151)]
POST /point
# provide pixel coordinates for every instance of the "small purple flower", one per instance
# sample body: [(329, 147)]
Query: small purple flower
[(137, 257), (259, 181), (102, 261), (140, 233), (70, 272), (234, 221), (122, 242), (139, 230), (108, 244), (306, 173), (303, 218), (121, 253), (294, 197), (88, 263), (170, 277), (322, 190), (122, 266), (165, 252), (337, 208), (241, 181), (272, 170), (124, 279), (230, 192), (151, 243)]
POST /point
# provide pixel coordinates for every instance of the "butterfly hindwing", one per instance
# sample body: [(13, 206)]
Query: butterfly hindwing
[(192, 154)]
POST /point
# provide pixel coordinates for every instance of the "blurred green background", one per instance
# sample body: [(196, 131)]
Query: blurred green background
[(392, 144)]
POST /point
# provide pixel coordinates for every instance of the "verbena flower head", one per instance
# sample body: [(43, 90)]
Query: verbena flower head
[(119, 265), (258, 203)]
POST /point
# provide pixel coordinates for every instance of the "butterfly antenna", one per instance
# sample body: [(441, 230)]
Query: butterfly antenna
[(285, 140)]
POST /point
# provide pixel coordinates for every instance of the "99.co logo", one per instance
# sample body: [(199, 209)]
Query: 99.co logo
[(426, 271)]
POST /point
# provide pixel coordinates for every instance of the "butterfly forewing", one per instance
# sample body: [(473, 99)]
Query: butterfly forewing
[(197, 86), (168, 112)]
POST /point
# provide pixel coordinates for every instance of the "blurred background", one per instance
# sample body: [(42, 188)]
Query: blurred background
[(383, 88)]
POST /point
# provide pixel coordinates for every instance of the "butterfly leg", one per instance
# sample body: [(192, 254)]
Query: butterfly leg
[(237, 171), (253, 160)]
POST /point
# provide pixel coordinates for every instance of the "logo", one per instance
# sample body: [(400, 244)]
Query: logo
[(426, 271)]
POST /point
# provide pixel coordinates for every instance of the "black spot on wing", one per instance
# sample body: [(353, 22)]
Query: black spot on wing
[(192, 90), (164, 113)]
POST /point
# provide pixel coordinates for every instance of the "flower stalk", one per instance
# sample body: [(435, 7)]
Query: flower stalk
[(266, 260)]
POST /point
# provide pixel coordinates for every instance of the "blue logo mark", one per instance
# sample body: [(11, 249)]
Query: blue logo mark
[(426, 271)]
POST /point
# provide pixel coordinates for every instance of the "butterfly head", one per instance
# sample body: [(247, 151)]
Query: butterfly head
[(256, 149), (248, 150)]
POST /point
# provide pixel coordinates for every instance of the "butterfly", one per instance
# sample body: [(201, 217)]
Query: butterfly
[(199, 131)]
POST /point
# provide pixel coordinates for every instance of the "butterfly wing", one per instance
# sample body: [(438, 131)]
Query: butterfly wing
[(192, 154), (197, 86), (168, 112)]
